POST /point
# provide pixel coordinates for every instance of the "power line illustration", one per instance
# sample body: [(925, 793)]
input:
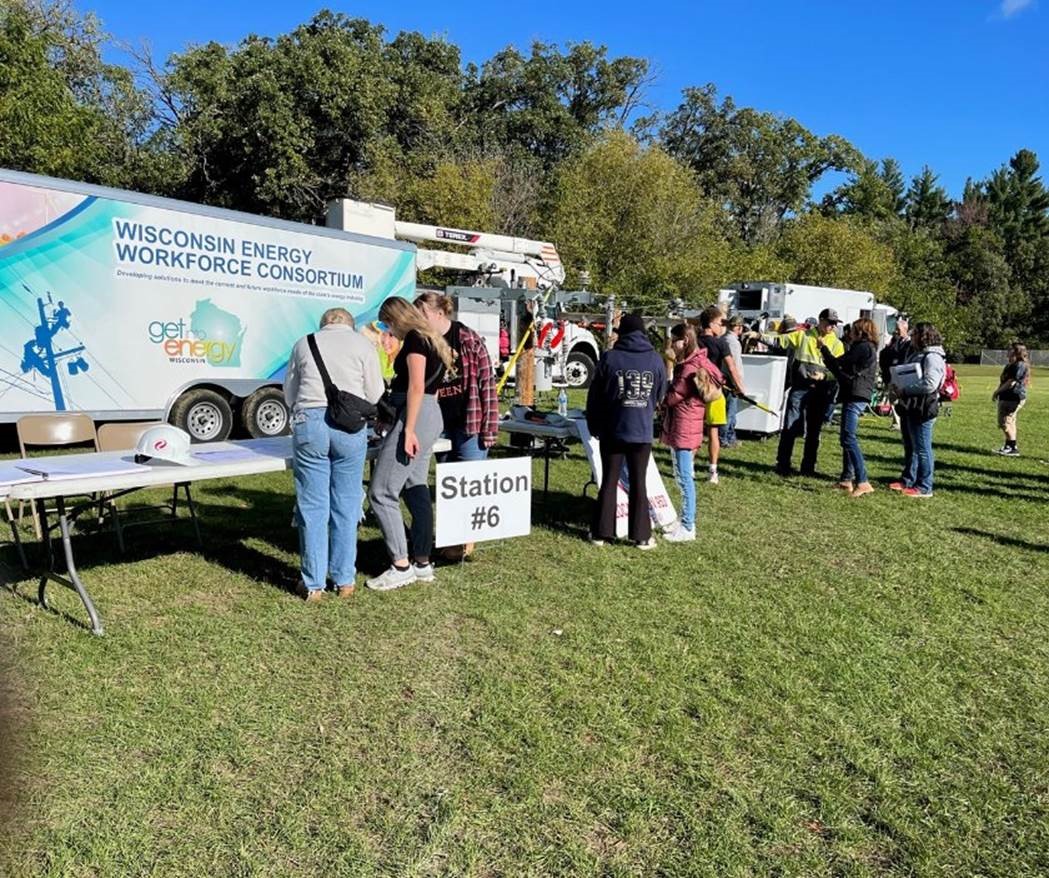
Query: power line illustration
[(39, 354)]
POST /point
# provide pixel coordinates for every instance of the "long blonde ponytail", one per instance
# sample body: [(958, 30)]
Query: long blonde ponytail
[(404, 317)]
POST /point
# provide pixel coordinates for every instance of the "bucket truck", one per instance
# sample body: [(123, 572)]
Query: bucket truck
[(496, 261)]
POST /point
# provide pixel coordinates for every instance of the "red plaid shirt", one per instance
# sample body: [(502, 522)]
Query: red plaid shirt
[(482, 401)]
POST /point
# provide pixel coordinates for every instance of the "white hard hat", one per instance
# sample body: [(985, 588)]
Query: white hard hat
[(165, 442)]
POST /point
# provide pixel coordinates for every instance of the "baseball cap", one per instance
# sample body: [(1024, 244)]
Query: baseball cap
[(830, 315)]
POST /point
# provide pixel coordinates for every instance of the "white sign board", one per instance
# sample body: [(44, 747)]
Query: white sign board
[(906, 375), (660, 507), (483, 500)]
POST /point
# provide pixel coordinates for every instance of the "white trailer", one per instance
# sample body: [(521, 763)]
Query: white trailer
[(126, 306), (760, 300)]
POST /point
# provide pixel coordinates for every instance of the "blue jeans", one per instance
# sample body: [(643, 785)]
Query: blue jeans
[(728, 431), (464, 447), (918, 461), (683, 472), (329, 491), (853, 466)]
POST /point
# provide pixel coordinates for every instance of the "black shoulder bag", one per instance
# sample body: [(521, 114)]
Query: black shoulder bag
[(347, 411)]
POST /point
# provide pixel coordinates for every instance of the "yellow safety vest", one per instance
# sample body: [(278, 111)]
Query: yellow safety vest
[(802, 344)]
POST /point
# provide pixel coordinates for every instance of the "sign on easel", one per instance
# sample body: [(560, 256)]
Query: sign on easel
[(660, 506), (481, 500)]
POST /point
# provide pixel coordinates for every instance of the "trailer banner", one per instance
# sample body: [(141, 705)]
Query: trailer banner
[(110, 305)]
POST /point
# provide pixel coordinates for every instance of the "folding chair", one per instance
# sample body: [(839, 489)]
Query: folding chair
[(56, 430), (124, 436)]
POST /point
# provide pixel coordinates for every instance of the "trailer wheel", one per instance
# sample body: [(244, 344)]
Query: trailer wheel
[(204, 414), (579, 369), (265, 413)]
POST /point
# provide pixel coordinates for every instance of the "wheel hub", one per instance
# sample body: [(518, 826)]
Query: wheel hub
[(204, 421), (271, 418)]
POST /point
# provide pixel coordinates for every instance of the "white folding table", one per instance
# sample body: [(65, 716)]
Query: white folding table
[(220, 460)]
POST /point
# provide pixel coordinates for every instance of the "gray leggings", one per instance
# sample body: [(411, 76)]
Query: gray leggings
[(395, 472)]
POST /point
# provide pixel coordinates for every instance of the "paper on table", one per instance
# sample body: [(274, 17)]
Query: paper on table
[(227, 455), (12, 475), (75, 466)]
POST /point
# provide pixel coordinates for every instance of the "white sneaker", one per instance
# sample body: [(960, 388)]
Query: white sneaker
[(424, 573), (681, 535), (650, 543), (594, 541), (391, 579), (712, 477)]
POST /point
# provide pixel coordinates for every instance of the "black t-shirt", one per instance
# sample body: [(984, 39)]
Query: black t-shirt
[(717, 349), (1016, 372), (415, 344), (451, 391)]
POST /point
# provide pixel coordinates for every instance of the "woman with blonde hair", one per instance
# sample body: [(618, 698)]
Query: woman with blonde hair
[(1011, 395), (403, 462), (856, 371)]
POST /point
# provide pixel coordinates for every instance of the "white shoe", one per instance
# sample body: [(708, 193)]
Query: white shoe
[(650, 543), (681, 535), (424, 573), (712, 477), (391, 579), (594, 541)]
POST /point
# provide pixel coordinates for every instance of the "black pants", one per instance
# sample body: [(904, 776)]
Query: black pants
[(806, 409), (420, 507), (636, 455)]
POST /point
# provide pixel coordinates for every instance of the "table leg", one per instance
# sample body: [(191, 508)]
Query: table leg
[(74, 578), (17, 537), (546, 468)]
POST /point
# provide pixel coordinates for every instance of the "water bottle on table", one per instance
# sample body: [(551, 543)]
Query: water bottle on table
[(562, 403)]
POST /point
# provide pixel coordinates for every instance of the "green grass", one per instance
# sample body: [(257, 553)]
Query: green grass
[(818, 686)]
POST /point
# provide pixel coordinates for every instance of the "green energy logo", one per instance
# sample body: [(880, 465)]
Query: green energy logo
[(213, 336)]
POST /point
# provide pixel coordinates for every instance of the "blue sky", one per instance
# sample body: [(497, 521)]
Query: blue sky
[(956, 84)]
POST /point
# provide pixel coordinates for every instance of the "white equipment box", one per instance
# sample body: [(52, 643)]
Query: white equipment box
[(764, 377)]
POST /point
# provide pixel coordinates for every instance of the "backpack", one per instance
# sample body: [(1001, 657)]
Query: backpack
[(708, 384), (949, 390)]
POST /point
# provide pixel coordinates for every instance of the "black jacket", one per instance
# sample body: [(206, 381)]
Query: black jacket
[(856, 370), (894, 353), (630, 381)]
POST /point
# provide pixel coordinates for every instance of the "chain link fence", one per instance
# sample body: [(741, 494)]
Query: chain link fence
[(990, 357)]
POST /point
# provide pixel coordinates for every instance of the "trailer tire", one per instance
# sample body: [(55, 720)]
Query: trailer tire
[(265, 413), (204, 414), (579, 369)]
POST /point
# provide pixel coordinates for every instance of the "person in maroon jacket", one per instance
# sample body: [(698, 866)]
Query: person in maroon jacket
[(683, 421)]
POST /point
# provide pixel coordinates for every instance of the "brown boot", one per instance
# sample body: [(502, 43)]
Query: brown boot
[(310, 595), (862, 489), (345, 591), (845, 486)]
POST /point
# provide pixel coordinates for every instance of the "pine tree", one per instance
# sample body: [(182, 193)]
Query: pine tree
[(927, 204)]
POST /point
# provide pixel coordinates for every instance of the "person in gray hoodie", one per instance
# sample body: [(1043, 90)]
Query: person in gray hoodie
[(920, 404)]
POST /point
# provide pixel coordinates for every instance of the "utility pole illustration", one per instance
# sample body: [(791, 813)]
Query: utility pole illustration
[(39, 352)]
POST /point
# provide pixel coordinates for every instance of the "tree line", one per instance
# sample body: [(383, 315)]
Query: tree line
[(555, 143)]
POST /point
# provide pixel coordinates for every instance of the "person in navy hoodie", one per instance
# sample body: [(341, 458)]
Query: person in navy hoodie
[(630, 381)]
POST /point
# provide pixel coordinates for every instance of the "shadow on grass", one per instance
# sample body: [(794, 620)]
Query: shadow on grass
[(1002, 539)]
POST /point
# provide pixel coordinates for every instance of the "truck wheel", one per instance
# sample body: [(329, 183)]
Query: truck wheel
[(579, 370), (204, 414), (265, 413)]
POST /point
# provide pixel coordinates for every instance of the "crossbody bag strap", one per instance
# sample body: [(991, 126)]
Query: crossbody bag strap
[(325, 377)]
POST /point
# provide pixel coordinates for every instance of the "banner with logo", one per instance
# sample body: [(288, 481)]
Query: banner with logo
[(114, 302)]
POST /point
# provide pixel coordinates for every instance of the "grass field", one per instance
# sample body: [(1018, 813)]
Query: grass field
[(818, 686)]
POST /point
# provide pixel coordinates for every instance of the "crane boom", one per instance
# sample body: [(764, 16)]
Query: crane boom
[(520, 257)]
